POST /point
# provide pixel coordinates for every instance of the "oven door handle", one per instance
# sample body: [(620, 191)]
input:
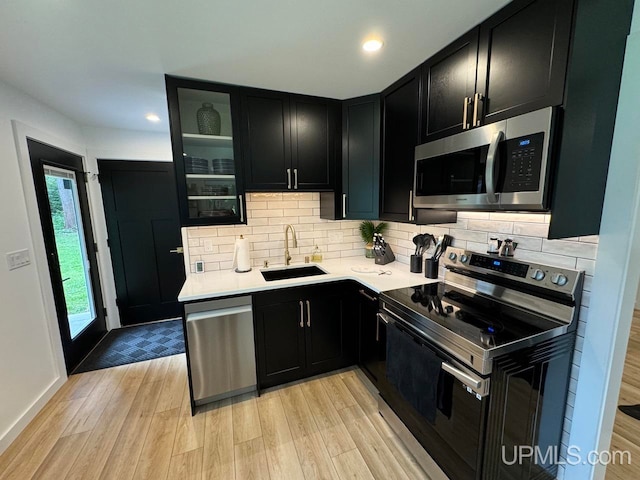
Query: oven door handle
[(463, 377)]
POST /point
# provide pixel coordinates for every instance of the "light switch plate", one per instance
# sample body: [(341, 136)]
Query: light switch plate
[(17, 259)]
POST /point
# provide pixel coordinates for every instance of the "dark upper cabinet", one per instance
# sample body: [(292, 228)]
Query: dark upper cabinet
[(400, 135), (313, 142), (207, 156), (302, 332), (289, 141), (522, 58), (449, 83), (593, 84), (357, 196), (513, 63), (266, 136)]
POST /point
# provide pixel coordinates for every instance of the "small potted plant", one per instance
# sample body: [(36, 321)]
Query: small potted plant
[(367, 230)]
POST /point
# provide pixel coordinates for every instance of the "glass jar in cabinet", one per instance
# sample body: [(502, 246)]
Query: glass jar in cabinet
[(204, 135)]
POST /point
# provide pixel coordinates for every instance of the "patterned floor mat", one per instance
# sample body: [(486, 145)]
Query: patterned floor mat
[(135, 344)]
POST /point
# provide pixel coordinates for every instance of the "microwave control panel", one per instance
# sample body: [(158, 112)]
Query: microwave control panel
[(523, 162)]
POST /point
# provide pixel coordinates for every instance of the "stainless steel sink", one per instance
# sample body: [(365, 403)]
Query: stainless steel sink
[(292, 272)]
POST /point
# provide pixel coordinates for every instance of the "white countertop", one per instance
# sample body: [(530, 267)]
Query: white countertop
[(223, 283)]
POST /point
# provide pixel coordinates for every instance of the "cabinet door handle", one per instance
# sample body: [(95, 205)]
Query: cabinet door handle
[(295, 178), (477, 98), (377, 328), (465, 113), (241, 208), (289, 178), (344, 205), (301, 314), (308, 313), (367, 296), (411, 205)]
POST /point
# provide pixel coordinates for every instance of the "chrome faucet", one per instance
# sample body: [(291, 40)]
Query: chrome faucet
[(287, 257)]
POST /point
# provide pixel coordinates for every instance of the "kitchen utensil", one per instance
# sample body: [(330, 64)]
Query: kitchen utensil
[(417, 241), (382, 250)]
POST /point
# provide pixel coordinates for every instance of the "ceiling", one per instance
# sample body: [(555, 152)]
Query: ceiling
[(102, 63)]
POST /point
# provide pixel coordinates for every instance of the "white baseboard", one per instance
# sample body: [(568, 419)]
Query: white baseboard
[(29, 414)]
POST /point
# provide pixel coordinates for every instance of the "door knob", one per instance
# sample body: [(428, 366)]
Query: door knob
[(177, 250)]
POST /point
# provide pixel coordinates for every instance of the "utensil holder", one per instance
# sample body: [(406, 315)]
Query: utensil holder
[(431, 268), (415, 264)]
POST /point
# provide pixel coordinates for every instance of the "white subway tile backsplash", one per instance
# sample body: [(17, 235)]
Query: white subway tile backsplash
[(490, 226), (576, 249), (531, 229)]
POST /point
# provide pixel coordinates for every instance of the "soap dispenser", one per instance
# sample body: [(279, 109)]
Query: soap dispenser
[(316, 255)]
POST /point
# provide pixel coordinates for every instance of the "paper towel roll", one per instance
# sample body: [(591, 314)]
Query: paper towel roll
[(241, 255)]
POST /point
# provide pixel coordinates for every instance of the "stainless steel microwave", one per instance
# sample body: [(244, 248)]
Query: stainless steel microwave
[(501, 166)]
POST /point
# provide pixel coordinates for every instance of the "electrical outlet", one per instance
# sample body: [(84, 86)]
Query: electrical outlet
[(208, 246), (17, 259)]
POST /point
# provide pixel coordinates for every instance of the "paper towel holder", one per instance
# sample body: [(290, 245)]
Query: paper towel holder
[(235, 258)]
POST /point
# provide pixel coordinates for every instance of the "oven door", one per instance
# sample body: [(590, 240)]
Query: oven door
[(450, 423)]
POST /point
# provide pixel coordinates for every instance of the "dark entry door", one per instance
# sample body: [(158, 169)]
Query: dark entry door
[(71, 254), (143, 225)]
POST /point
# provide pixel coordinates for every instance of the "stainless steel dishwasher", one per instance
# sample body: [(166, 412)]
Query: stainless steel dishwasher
[(221, 348)]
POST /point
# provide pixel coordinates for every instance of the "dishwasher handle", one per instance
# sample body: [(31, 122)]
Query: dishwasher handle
[(196, 316)]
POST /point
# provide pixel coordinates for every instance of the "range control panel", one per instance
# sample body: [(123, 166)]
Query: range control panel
[(545, 276)]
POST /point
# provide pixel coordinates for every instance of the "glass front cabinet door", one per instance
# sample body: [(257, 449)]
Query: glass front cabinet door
[(204, 120)]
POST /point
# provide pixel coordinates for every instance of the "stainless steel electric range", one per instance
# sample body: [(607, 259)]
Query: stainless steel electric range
[(478, 365)]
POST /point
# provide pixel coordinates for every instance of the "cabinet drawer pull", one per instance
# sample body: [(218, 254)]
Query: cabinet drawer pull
[(301, 314), (295, 178), (241, 208), (289, 178), (367, 296), (308, 313), (478, 97)]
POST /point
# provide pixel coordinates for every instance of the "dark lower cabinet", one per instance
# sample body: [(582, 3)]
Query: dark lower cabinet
[(372, 338), (281, 340), (400, 135), (303, 331)]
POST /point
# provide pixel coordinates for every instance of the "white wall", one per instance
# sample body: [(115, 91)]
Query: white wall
[(31, 362), (116, 144), (615, 283)]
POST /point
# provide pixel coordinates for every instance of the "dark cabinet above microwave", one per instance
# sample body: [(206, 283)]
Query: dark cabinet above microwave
[(513, 63)]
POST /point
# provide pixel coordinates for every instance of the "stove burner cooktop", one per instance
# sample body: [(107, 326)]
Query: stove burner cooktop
[(486, 323)]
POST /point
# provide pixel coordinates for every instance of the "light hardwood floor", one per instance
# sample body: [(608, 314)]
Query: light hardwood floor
[(134, 422), (626, 430)]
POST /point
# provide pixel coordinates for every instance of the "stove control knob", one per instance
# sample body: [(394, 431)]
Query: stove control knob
[(464, 258), (537, 274), (559, 279), (453, 256)]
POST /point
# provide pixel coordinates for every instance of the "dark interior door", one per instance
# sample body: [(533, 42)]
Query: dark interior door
[(143, 225), (60, 184)]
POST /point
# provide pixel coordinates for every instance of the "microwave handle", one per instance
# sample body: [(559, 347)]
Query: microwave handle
[(493, 162)]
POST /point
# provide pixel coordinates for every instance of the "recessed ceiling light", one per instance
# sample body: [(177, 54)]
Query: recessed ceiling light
[(372, 45), (152, 117)]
